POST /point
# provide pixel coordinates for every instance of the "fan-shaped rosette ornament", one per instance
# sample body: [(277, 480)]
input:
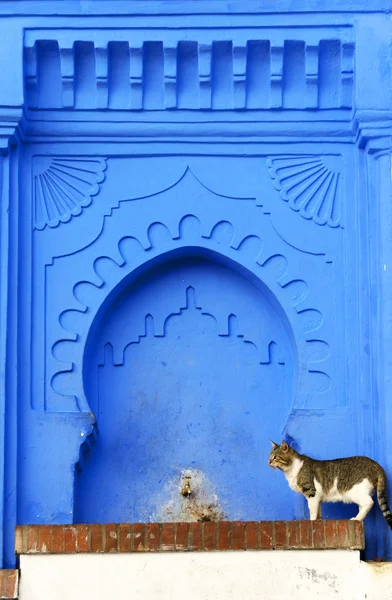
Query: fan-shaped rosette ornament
[(63, 187), (310, 185)]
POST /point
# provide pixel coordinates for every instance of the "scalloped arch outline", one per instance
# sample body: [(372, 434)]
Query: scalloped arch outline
[(130, 257)]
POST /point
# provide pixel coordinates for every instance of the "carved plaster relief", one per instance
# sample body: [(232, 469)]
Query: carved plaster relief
[(63, 187), (112, 265), (310, 185), (253, 70)]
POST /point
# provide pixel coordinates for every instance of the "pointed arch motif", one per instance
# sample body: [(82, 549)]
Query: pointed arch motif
[(109, 273)]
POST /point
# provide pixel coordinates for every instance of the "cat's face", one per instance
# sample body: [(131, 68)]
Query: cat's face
[(280, 456)]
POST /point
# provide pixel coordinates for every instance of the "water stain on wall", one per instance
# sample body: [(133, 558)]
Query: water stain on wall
[(202, 503)]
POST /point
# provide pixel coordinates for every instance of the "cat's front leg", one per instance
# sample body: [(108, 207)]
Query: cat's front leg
[(314, 501), (320, 511), (308, 490), (314, 504)]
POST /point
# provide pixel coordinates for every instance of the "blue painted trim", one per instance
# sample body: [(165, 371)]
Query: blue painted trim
[(181, 7)]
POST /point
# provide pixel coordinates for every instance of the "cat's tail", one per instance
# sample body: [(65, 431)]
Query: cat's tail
[(382, 497)]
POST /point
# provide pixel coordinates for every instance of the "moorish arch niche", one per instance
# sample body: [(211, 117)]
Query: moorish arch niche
[(190, 367)]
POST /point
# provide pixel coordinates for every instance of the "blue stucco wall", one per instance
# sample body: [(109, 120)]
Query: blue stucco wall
[(195, 236)]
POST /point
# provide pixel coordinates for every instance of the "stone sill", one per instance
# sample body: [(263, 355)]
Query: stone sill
[(180, 537), (9, 583)]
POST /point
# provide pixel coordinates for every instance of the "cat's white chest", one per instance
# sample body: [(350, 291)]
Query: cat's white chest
[(292, 474)]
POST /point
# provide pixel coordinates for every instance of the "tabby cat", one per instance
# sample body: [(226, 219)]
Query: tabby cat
[(349, 480)]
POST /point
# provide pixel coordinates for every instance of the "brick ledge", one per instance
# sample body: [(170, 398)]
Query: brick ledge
[(172, 537), (9, 583)]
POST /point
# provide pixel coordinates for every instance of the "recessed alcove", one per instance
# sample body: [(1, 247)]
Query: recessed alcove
[(190, 369)]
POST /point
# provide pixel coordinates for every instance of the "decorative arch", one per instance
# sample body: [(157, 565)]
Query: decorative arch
[(130, 257), (183, 349)]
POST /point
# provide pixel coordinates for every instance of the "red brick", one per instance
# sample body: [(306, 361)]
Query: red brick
[(139, 537), (331, 538), (359, 535), (221, 535), (266, 535), (305, 534), (32, 538), (281, 534), (252, 534), (238, 535), (110, 537), (351, 534), (96, 538), (153, 537), (70, 540), (343, 540), (19, 540), (293, 535), (126, 538), (3, 582), (182, 536), (210, 536), (83, 542), (45, 539), (194, 536), (168, 537), (9, 579), (57, 539), (318, 534), (224, 535)]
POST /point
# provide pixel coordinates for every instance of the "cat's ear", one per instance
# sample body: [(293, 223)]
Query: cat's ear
[(284, 446), (273, 444)]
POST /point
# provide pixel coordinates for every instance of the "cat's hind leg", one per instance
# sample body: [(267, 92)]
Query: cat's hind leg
[(363, 510), (361, 494)]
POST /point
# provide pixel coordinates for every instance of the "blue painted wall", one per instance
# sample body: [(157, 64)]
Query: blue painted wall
[(195, 235)]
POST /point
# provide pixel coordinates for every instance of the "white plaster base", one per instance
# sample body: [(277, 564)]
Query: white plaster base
[(304, 574)]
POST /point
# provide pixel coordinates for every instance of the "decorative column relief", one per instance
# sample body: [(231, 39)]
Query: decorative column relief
[(239, 76), (31, 76), (136, 77), (205, 58), (67, 76), (170, 71), (375, 138), (312, 82), (101, 66), (276, 76), (347, 75)]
